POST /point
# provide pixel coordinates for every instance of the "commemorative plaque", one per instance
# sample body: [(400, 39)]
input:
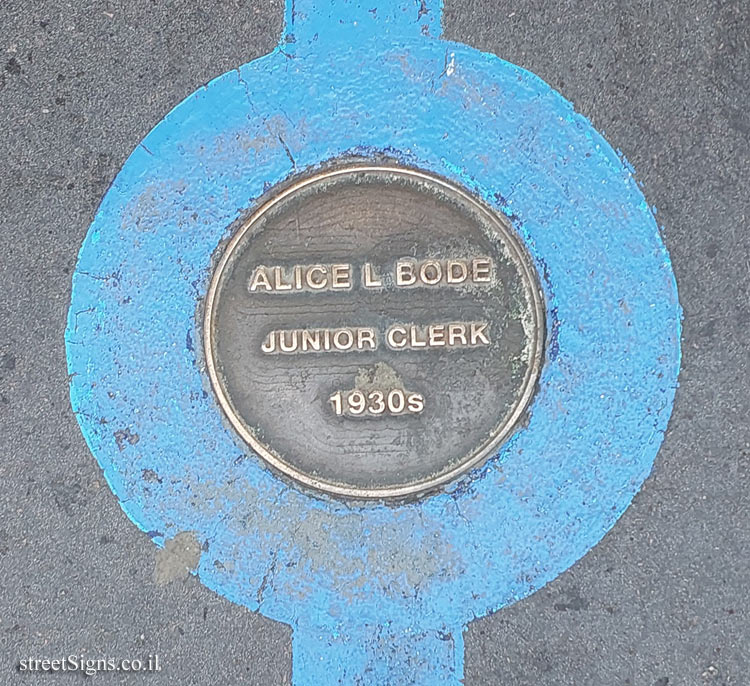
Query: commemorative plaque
[(374, 331)]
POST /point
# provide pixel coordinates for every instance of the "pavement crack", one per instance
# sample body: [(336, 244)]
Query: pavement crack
[(267, 577), (286, 149), (246, 86)]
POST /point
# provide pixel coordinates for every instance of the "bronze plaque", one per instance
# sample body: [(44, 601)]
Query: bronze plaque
[(374, 331)]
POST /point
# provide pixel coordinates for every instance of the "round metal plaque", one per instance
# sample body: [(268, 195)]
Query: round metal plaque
[(374, 331)]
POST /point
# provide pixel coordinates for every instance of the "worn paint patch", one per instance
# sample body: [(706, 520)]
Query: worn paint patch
[(376, 593), (178, 558)]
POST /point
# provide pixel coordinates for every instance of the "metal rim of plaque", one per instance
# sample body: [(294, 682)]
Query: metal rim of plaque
[(508, 245)]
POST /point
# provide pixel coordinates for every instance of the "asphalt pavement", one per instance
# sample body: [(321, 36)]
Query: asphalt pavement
[(661, 601)]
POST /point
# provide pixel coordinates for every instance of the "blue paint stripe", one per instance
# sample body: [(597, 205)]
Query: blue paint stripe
[(550, 494), (377, 654)]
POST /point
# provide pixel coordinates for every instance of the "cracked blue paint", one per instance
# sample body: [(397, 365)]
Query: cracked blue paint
[(376, 594)]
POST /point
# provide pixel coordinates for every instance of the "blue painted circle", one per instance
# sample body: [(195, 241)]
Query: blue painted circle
[(137, 377)]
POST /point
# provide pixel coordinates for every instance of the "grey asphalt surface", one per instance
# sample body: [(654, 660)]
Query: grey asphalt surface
[(661, 601)]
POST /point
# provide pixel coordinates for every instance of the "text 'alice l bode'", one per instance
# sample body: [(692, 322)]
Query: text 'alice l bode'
[(405, 273)]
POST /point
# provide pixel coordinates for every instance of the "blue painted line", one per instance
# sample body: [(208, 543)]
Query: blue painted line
[(376, 594)]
